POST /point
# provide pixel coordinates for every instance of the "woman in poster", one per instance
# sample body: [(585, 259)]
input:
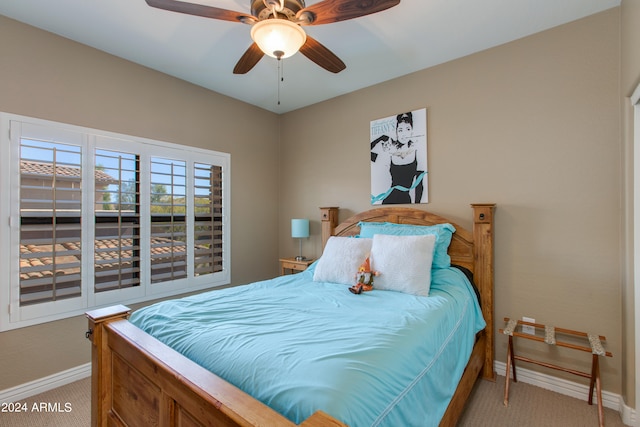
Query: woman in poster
[(405, 172)]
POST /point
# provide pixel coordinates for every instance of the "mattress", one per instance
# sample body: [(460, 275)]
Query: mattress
[(381, 358)]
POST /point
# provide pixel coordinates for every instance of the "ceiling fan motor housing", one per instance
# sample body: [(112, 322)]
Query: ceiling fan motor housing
[(260, 10)]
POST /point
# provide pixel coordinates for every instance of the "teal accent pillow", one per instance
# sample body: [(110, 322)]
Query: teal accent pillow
[(443, 233)]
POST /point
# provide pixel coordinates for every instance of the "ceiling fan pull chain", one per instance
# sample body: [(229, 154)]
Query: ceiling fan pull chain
[(280, 78), (279, 54)]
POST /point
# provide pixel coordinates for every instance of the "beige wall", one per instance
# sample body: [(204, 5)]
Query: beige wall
[(49, 77), (630, 78), (533, 126)]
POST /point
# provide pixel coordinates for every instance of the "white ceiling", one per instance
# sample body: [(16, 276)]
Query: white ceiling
[(414, 35)]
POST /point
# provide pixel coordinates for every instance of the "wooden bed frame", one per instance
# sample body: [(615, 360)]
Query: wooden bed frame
[(138, 381)]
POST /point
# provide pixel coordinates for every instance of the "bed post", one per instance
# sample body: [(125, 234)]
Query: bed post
[(101, 360), (329, 223), (483, 276)]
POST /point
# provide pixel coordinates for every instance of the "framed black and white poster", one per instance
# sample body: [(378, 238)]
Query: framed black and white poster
[(399, 159)]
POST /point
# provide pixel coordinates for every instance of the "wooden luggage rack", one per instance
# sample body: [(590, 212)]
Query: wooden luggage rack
[(595, 348)]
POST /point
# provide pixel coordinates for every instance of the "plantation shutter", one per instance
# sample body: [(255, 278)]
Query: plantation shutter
[(208, 223), (50, 221), (117, 214), (168, 220)]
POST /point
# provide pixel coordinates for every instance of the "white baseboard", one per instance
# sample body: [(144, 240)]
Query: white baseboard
[(23, 391), (570, 388)]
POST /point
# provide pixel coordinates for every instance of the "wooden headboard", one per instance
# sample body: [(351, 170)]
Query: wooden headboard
[(470, 249)]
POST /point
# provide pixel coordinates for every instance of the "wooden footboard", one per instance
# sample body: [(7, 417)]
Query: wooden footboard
[(139, 381)]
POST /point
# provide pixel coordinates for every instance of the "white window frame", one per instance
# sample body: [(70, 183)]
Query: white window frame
[(12, 315)]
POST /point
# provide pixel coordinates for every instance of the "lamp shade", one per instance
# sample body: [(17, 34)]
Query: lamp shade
[(278, 38), (299, 228)]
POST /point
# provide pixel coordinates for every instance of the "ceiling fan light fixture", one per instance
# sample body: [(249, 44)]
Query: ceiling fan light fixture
[(278, 38)]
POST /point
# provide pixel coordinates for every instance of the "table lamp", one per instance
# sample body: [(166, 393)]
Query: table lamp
[(300, 230)]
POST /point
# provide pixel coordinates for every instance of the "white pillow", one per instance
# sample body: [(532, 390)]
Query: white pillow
[(404, 263), (340, 260)]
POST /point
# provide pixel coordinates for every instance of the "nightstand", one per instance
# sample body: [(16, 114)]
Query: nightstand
[(294, 265)]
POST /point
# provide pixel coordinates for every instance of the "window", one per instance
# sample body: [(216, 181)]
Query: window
[(89, 218)]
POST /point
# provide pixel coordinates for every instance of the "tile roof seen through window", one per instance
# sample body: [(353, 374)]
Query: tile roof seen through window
[(161, 247), (28, 167)]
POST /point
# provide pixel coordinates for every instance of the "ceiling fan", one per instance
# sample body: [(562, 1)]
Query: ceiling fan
[(270, 16)]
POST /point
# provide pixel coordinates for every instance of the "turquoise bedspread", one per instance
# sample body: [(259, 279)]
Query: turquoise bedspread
[(381, 358)]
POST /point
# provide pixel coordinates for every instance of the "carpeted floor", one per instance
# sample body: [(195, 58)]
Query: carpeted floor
[(529, 406), (67, 406)]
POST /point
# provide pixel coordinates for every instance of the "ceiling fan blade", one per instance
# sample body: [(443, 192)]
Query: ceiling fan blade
[(322, 56), (200, 10), (328, 11), (248, 60)]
